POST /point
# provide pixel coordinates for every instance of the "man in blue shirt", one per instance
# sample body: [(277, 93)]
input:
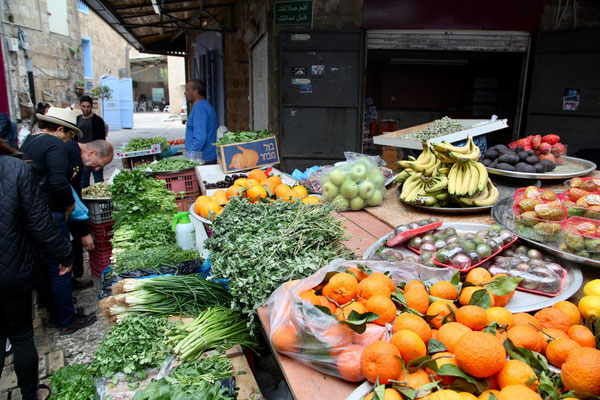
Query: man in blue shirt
[(201, 129)]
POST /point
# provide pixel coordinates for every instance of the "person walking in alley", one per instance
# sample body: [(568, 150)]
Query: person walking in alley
[(201, 128), (93, 127), (47, 153), (26, 224)]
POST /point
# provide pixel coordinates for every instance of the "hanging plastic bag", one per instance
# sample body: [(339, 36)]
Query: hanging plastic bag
[(301, 330), (80, 213)]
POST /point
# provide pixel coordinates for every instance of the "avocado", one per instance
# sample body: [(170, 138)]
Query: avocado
[(532, 160), (505, 166), (509, 158), (524, 167), (540, 168), (522, 155), (548, 164), (531, 152), (491, 154), (519, 149), (494, 164), (486, 162), (501, 147)]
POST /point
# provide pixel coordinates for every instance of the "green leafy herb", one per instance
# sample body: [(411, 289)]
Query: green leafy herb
[(96, 190), (153, 258), (172, 164), (163, 390), (243, 136), (138, 144), (208, 369), (73, 382)]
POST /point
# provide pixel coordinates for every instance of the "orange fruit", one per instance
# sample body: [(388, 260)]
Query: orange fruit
[(326, 303), (515, 372), (520, 392), (526, 336), (551, 334), (581, 372), (382, 306), (388, 281), (414, 283), (337, 336), (444, 394), (275, 179), (381, 359), (251, 182), (467, 292), (558, 349), (209, 209), (417, 299), (480, 354), (473, 317), (344, 312), (285, 338), (409, 344), (449, 334), (348, 364), (341, 288), (415, 379), (257, 175), (233, 190), (552, 318), (283, 190), (444, 290), (269, 184), (443, 358), (370, 335), (413, 323), (467, 396), (243, 182), (300, 191), (440, 310), (523, 319), (358, 274), (255, 192), (371, 286), (570, 311), (501, 301), (478, 276), (311, 200), (311, 297), (582, 335), (388, 394), (486, 395), (500, 315)]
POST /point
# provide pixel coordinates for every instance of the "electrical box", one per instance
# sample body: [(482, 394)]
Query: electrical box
[(13, 44)]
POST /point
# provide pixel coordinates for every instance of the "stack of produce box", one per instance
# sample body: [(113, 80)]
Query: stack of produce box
[(100, 206)]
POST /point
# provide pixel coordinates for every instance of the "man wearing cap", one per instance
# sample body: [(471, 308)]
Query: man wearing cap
[(47, 154), (93, 128)]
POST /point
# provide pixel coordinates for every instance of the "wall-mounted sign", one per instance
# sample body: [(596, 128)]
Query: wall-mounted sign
[(299, 71), (296, 12), (571, 99)]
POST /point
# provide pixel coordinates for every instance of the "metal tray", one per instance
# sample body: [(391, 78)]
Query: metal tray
[(502, 212), (571, 168), (522, 301), (506, 187)]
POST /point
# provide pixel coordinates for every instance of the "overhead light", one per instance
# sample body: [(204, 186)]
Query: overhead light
[(428, 61)]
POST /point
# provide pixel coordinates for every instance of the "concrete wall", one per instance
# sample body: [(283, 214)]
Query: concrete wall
[(109, 49), (56, 58), (176, 94)]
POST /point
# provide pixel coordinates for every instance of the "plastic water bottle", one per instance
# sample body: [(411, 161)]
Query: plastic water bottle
[(185, 233)]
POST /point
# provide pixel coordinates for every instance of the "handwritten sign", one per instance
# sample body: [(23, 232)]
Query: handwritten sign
[(298, 12)]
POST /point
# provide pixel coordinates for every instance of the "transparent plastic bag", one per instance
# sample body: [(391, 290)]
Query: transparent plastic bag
[(351, 156), (302, 331), (539, 276), (354, 184)]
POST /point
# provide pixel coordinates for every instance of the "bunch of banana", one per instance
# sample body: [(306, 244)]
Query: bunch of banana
[(427, 162), (429, 191), (450, 154), (486, 197), (467, 178)]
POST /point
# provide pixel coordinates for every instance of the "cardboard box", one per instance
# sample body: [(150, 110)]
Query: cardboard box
[(248, 155)]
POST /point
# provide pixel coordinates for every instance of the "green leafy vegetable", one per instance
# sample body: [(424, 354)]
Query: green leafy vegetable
[(138, 144), (257, 247), (208, 369), (243, 136), (153, 258), (172, 164), (73, 382), (154, 230), (96, 190), (163, 390)]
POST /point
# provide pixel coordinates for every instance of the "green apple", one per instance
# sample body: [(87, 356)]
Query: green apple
[(376, 178), (341, 203), (337, 176), (349, 189), (366, 189), (330, 190), (358, 172), (357, 203), (376, 199)]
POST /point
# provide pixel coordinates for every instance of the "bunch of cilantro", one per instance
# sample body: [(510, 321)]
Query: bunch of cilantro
[(73, 382), (257, 247)]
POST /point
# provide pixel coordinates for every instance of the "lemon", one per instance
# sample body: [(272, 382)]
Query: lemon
[(589, 307), (592, 288)]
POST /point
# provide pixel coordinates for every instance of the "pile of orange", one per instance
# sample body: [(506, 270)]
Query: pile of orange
[(256, 186), (423, 318)]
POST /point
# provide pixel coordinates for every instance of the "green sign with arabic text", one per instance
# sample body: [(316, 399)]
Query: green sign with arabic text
[(298, 12)]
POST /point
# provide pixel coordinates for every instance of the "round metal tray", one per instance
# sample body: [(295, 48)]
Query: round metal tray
[(571, 168), (506, 187), (522, 301), (502, 212)]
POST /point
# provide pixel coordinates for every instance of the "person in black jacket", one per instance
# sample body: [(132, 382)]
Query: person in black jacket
[(47, 153), (93, 128), (26, 225)]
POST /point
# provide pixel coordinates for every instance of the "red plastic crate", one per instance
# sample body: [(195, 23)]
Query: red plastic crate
[(103, 245), (187, 201), (185, 181), (102, 232), (99, 261)]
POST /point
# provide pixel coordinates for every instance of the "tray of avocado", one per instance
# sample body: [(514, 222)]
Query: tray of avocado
[(570, 168)]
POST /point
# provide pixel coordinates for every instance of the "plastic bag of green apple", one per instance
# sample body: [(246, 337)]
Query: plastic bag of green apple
[(304, 324), (354, 184)]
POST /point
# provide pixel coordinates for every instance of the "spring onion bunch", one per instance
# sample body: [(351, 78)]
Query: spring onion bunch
[(214, 327), (164, 295)]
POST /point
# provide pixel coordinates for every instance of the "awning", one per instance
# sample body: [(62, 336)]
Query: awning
[(161, 26)]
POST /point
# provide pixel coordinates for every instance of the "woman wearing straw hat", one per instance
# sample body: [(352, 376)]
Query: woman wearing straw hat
[(49, 160)]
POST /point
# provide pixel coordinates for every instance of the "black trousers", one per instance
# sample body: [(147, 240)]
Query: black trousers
[(16, 324)]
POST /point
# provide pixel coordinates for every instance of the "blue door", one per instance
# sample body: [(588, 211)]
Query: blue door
[(110, 106), (126, 102)]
